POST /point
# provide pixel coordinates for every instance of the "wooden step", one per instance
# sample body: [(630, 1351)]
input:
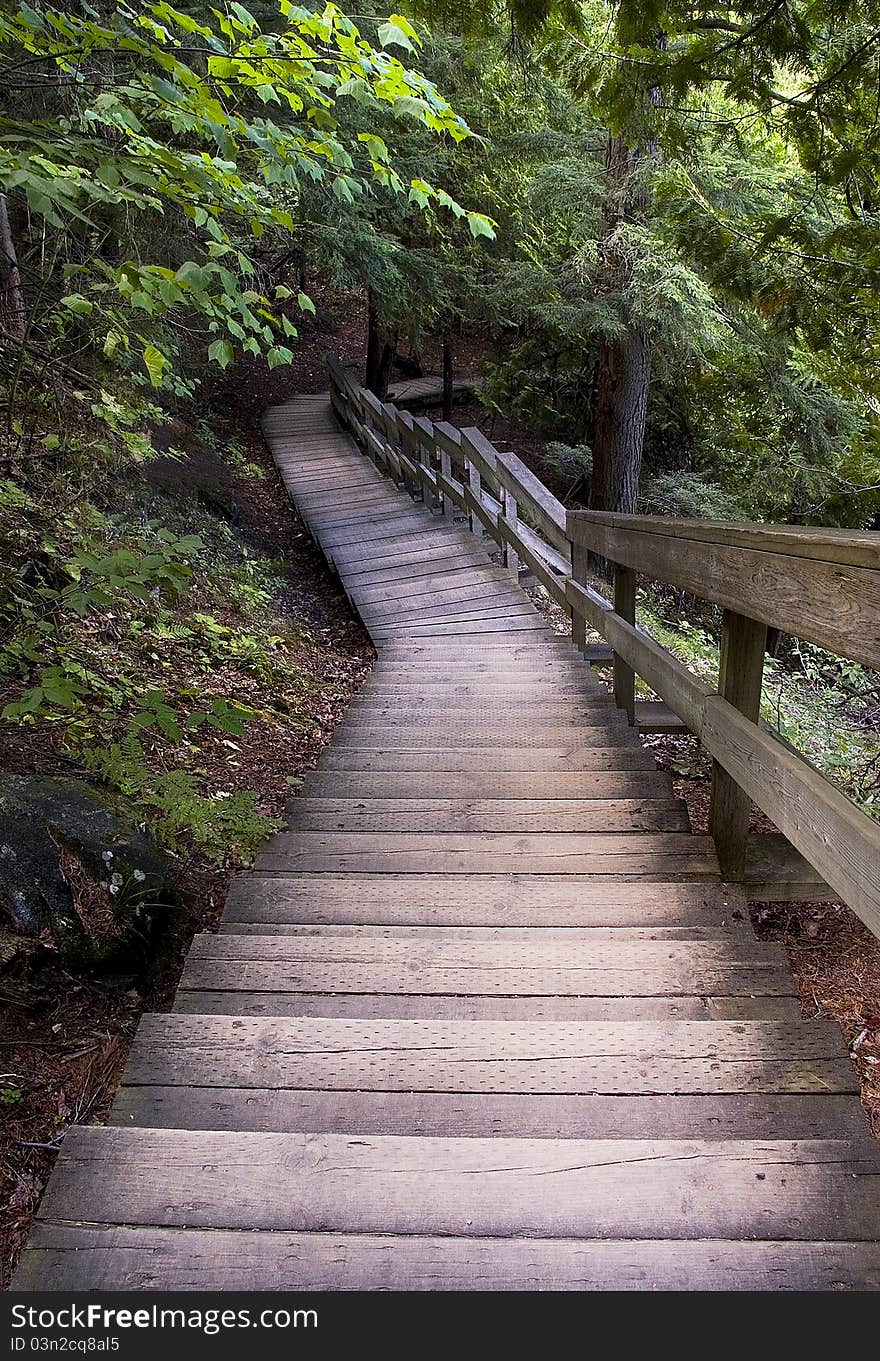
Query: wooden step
[(641, 1057), (504, 760), (390, 1006), (642, 854), (486, 784), (488, 815), (376, 965), (735, 930), (515, 900), (485, 1115), (591, 1190), (83, 1256)]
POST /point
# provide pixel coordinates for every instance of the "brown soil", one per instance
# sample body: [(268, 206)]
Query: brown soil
[(66, 1037)]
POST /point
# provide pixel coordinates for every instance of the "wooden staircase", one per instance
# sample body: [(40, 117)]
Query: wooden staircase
[(484, 1017)]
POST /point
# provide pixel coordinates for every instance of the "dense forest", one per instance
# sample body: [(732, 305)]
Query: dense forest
[(647, 233)]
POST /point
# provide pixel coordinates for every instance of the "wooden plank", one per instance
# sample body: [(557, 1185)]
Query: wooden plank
[(430, 585), (542, 507), (489, 815), (376, 965), (654, 717), (363, 732), (476, 784), (542, 845), (741, 674), (439, 1114), (624, 676), (507, 626), (373, 511), (431, 536), (776, 873), (513, 760), (660, 1057), (125, 1258), (388, 616), (468, 591), (590, 1189), (534, 946), (482, 455), (460, 557), (404, 526), (641, 865), (486, 688), (714, 932), (840, 841), (850, 546), (835, 604), (475, 1007), (506, 900), (534, 560)]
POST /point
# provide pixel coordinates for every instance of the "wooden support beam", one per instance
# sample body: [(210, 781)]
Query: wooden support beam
[(579, 567), (743, 643), (509, 506), (476, 491), (625, 606)]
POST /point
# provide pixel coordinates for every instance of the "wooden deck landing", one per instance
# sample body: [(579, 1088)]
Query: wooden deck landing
[(484, 1016)]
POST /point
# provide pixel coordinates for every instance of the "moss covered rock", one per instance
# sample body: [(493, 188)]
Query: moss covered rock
[(77, 871)]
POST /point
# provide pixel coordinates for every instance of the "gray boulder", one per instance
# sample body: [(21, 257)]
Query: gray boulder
[(77, 870)]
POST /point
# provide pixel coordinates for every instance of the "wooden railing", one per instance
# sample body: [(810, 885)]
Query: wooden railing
[(822, 585)]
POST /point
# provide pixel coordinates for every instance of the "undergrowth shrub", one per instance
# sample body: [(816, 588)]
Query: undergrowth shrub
[(143, 638)]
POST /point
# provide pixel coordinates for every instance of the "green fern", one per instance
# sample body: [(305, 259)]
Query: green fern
[(225, 826)]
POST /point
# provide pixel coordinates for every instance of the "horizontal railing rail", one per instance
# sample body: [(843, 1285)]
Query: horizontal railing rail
[(822, 585)]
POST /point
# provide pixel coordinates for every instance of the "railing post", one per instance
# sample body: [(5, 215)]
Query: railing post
[(405, 442), (743, 644), (580, 561), (446, 471), (625, 606), (477, 492), (425, 448), (510, 513)]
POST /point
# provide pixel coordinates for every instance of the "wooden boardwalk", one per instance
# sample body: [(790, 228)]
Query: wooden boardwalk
[(484, 1016)]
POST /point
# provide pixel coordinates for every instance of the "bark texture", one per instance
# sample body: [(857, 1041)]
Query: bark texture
[(13, 317), (380, 354), (622, 376)]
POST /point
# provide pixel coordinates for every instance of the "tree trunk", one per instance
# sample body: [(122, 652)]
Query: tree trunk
[(447, 379), (623, 377), (13, 317), (623, 365), (374, 344), (383, 372), (380, 354)]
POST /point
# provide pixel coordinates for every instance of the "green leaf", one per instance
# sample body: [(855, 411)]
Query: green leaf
[(392, 34), (75, 302), (420, 193), (481, 225), (155, 364), (222, 353), (305, 303)]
